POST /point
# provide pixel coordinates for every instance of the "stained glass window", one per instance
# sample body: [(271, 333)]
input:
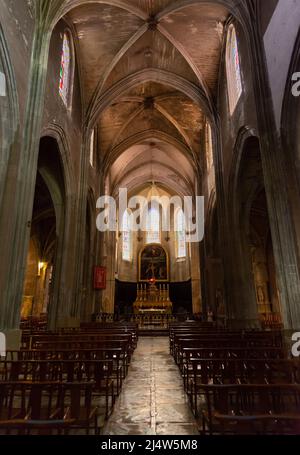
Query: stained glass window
[(180, 235), (92, 148), (234, 81), (153, 226), (127, 236), (65, 70)]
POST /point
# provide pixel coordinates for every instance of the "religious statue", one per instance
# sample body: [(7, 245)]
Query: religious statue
[(210, 315)]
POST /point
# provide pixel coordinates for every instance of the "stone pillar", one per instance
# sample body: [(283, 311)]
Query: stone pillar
[(275, 179), (195, 278), (79, 299), (16, 232), (108, 261), (242, 311), (215, 287), (16, 210)]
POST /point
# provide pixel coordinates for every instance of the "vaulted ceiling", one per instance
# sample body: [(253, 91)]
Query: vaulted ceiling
[(120, 40)]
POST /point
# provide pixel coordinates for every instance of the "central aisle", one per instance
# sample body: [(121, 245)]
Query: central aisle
[(153, 401)]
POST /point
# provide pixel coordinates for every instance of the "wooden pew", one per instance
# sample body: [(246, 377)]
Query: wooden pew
[(237, 371), (251, 409), (45, 406), (99, 372)]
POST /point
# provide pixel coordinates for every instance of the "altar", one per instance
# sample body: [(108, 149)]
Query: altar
[(153, 289), (153, 299)]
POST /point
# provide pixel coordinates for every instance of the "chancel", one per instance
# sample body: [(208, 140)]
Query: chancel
[(115, 318)]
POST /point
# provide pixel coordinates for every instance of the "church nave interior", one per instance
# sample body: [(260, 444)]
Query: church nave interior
[(149, 201)]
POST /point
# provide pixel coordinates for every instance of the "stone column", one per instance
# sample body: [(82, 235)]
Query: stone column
[(79, 299), (108, 294), (15, 224), (195, 278), (242, 312), (275, 179)]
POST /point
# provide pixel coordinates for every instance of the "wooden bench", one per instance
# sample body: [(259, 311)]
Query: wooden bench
[(45, 406), (237, 371), (251, 409), (72, 371)]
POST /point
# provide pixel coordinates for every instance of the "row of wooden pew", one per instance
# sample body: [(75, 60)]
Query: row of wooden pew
[(64, 382), (238, 382)]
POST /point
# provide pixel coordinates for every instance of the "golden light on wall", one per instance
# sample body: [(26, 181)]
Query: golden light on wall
[(41, 265)]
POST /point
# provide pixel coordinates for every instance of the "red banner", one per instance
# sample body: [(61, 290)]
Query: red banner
[(100, 278)]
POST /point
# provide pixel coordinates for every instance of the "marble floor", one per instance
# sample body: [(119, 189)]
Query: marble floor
[(152, 401)]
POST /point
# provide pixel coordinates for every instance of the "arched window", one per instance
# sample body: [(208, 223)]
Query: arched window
[(180, 235), (234, 81), (209, 148), (153, 226), (65, 70), (210, 181), (127, 236), (92, 148)]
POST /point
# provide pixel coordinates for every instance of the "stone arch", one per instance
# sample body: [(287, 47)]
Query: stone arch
[(56, 132), (242, 299), (247, 214), (53, 176)]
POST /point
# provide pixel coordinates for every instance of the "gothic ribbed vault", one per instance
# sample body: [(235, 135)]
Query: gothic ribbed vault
[(136, 57)]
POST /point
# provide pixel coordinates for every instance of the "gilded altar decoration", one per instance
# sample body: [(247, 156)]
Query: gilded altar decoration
[(153, 298)]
